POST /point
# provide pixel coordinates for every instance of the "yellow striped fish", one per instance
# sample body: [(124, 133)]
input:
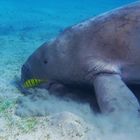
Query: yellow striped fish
[(33, 83)]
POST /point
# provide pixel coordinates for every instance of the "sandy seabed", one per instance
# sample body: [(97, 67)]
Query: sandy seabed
[(41, 116)]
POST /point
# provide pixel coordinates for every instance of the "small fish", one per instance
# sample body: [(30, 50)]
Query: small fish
[(33, 83)]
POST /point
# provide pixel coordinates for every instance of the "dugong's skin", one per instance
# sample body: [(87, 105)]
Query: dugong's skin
[(105, 45)]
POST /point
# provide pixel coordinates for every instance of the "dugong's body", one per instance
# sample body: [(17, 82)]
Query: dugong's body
[(103, 52)]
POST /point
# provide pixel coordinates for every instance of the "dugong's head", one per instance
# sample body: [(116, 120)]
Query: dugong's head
[(41, 64), (52, 62)]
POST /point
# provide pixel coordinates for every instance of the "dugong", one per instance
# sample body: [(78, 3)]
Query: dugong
[(103, 52)]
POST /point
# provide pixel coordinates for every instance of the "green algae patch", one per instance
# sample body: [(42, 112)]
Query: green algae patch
[(7, 110), (27, 125), (6, 104)]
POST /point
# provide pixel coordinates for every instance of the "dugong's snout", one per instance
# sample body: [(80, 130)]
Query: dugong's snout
[(25, 73)]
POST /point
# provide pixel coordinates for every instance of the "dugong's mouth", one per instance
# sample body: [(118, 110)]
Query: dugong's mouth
[(30, 81)]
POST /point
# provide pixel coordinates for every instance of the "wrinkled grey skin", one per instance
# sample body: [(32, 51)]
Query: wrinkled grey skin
[(104, 48)]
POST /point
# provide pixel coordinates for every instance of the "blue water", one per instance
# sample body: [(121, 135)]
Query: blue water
[(49, 15), (40, 20)]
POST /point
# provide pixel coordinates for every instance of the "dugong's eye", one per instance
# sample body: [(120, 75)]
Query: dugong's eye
[(45, 61)]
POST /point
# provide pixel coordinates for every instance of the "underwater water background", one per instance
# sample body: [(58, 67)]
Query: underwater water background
[(24, 26)]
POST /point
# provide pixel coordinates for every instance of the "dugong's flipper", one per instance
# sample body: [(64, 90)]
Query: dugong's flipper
[(113, 95)]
